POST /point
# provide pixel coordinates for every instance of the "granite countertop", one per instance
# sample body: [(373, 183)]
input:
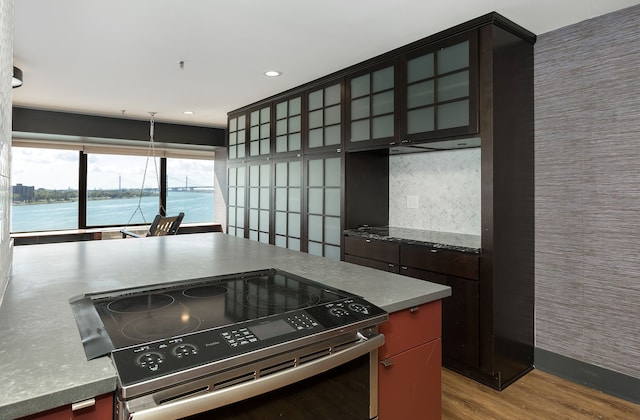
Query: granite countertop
[(443, 240), (42, 360)]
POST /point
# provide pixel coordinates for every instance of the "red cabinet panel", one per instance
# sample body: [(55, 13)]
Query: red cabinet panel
[(410, 328), (102, 410), (409, 373), (410, 384)]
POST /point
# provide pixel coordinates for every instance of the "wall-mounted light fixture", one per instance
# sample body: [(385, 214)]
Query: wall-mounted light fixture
[(16, 80)]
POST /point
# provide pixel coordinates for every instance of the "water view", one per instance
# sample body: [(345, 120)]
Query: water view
[(196, 205)]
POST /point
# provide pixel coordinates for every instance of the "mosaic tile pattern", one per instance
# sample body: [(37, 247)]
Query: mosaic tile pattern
[(6, 69), (447, 187)]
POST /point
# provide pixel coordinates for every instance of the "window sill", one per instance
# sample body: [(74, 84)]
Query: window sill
[(72, 235)]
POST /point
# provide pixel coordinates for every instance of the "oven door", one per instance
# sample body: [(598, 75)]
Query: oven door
[(341, 385)]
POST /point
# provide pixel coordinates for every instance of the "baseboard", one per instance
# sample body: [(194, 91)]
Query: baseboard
[(610, 382)]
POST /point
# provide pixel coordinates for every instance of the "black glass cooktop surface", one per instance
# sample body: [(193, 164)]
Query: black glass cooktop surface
[(128, 317)]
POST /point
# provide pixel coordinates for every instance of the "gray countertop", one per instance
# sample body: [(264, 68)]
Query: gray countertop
[(42, 360), (442, 240)]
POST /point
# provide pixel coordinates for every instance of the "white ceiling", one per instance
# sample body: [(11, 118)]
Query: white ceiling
[(102, 57)]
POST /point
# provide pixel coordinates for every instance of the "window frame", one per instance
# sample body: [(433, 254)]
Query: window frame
[(122, 147)]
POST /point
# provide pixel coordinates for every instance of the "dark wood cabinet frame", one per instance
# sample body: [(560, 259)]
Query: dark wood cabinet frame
[(501, 117)]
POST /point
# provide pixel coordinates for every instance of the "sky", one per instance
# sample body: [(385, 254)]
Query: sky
[(58, 169)]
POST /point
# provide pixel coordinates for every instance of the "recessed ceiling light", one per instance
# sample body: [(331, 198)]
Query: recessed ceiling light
[(272, 73), (188, 113)]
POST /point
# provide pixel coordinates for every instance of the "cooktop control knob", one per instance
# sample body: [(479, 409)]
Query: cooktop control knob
[(184, 350), (151, 361), (359, 307), (338, 311)]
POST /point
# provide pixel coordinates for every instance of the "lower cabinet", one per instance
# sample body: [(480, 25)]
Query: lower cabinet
[(101, 410), (460, 317), (381, 255), (456, 269), (409, 373)]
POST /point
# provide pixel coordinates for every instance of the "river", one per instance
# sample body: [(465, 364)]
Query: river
[(197, 207)]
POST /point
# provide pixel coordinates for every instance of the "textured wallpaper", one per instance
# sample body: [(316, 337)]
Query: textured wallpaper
[(444, 186), (6, 70), (587, 205)]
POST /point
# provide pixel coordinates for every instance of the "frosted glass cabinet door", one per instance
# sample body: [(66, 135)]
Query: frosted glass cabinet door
[(288, 181), (236, 192), (259, 201), (323, 206), (237, 137), (324, 117), (288, 125), (440, 97), (260, 132), (371, 107)]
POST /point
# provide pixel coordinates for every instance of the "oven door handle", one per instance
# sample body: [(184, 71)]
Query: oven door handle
[(220, 397)]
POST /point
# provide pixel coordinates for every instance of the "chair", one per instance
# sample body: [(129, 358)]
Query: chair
[(161, 226)]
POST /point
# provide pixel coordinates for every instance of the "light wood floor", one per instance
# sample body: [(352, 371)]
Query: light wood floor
[(538, 395)]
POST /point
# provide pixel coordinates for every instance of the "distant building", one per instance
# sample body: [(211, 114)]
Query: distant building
[(23, 193)]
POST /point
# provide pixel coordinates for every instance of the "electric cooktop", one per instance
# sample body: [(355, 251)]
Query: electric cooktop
[(131, 317)]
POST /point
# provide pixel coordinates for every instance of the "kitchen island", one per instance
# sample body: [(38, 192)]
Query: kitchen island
[(42, 360)]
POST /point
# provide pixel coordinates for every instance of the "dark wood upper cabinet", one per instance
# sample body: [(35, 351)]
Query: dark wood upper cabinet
[(439, 85), (324, 119), (260, 132), (237, 136), (288, 126), (468, 86), (371, 107)]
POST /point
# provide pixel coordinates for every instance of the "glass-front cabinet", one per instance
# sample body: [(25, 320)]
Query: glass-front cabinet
[(236, 181), (324, 118), (323, 206), (440, 92), (259, 201), (237, 137), (288, 136), (371, 107), (288, 204), (260, 132)]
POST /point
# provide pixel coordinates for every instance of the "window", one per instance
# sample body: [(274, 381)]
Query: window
[(46, 184), (114, 188), (190, 189), (44, 189)]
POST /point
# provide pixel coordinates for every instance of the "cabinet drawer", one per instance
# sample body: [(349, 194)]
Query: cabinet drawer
[(373, 249), (410, 328), (409, 384), (378, 265), (459, 264)]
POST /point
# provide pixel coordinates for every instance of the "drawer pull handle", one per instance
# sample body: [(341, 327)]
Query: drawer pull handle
[(414, 309), (81, 405), (434, 250), (386, 362), (368, 241)]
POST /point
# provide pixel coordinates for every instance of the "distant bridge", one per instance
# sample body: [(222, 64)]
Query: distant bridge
[(195, 188)]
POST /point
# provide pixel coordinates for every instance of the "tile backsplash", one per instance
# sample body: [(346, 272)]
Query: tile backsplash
[(437, 191)]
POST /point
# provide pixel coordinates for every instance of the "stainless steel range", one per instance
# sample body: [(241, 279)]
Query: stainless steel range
[(260, 341)]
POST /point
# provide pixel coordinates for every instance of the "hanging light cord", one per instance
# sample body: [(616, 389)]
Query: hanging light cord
[(151, 153)]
